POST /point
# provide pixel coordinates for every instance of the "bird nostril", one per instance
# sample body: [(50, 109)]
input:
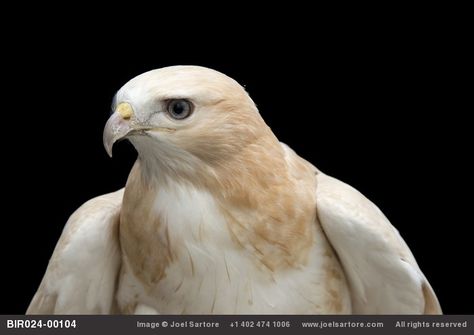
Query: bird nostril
[(125, 110)]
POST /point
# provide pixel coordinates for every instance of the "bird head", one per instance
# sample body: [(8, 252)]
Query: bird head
[(182, 117)]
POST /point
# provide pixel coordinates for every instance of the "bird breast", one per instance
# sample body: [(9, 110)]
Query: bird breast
[(181, 257)]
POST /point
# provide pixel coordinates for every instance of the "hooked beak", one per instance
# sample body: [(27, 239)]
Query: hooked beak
[(118, 126)]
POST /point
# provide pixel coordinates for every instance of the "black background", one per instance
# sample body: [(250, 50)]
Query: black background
[(382, 110)]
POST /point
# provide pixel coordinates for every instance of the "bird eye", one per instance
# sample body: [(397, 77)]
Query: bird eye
[(179, 109)]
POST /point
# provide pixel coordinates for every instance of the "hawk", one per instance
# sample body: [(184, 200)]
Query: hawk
[(219, 217)]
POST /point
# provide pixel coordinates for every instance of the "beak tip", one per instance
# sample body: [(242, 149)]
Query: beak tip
[(108, 149)]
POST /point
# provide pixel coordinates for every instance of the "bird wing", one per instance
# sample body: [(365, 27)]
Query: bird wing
[(81, 274), (382, 273)]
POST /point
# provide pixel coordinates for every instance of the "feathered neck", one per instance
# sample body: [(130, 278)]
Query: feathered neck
[(256, 192)]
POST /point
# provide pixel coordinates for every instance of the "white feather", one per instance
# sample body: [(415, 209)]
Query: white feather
[(383, 275), (81, 275)]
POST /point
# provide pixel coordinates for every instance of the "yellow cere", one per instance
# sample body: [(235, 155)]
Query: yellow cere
[(125, 110)]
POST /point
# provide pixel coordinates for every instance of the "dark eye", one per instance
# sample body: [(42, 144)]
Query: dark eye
[(179, 109)]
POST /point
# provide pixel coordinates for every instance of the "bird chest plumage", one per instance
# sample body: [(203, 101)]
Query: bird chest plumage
[(184, 252)]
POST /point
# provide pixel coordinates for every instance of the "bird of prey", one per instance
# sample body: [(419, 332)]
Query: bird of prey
[(219, 217)]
